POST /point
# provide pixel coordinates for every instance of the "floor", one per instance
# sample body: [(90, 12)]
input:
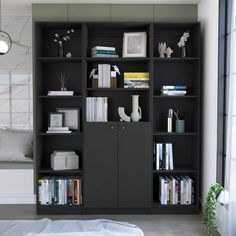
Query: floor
[(152, 225)]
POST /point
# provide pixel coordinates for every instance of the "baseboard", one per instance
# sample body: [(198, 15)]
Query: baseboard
[(18, 199)]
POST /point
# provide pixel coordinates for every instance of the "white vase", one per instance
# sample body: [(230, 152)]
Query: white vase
[(223, 197), (136, 114)]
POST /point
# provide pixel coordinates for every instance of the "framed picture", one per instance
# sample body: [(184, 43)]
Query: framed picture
[(135, 44), (71, 117), (56, 119)]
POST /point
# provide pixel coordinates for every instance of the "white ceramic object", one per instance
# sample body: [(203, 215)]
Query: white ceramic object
[(123, 116), (162, 49), (136, 114), (168, 52), (223, 197)]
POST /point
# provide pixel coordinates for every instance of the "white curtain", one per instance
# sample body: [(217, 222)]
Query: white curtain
[(230, 171)]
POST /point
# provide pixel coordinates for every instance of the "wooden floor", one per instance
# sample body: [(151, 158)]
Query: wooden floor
[(152, 225)]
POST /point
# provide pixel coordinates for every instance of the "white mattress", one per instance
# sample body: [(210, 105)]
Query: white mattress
[(47, 227)]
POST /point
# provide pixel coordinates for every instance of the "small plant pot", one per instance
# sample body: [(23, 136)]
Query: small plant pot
[(179, 126)]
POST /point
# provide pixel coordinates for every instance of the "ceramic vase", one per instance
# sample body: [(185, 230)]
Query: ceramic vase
[(136, 114), (183, 51)]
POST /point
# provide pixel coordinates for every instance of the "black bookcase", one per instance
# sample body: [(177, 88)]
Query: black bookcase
[(116, 158)]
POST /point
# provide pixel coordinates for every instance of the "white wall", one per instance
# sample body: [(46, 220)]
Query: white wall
[(208, 15)]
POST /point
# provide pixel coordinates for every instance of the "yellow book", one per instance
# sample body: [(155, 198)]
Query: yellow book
[(136, 75)]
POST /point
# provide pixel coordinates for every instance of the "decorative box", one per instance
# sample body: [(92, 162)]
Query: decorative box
[(64, 160)]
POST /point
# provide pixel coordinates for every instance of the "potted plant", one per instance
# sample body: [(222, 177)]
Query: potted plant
[(209, 211)]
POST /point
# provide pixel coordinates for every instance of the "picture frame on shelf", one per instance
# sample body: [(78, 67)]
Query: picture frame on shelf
[(135, 44), (56, 119), (71, 117)]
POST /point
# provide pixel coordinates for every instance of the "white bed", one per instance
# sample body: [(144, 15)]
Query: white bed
[(47, 227)]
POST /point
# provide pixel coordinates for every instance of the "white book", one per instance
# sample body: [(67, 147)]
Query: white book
[(157, 156), (166, 157), (161, 163), (169, 151), (108, 75), (60, 93), (174, 93), (58, 128), (58, 132), (103, 48), (100, 75), (106, 109)]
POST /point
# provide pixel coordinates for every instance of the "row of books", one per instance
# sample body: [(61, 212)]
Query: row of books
[(163, 156), (104, 76), (174, 90), (136, 80), (101, 51), (176, 190), (97, 109), (56, 190)]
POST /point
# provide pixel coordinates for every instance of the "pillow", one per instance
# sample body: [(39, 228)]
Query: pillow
[(16, 145)]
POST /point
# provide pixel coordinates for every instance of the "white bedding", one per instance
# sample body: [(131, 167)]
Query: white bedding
[(47, 227)]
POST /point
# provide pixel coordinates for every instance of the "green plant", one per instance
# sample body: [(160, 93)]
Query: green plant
[(209, 211)]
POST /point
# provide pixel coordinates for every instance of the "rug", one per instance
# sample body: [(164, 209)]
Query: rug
[(47, 227)]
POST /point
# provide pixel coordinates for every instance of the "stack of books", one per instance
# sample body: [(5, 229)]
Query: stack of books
[(96, 109), (60, 190), (60, 93), (174, 90), (136, 80), (101, 51), (163, 156), (58, 130), (176, 190), (104, 76)]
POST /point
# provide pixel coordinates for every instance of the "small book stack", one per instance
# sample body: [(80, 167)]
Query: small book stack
[(136, 80), (176, 190), (174, 90), (60, 93), (163, 156), (58, 130), (96, 109), (101, 51), (60, 190)]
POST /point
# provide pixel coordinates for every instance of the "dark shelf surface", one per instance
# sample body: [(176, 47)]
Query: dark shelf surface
[(175, 171), (57, 59), (174, 133), (48, 170), (178, 96), (53, 97), (72, 133), (118, 89), (176, 59), (118, 59)]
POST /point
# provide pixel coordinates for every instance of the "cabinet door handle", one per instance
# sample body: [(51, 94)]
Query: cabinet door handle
[(112, 127), (123, 127)]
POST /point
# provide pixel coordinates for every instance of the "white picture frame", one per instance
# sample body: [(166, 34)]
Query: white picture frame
[(135, 44), (71, 117)]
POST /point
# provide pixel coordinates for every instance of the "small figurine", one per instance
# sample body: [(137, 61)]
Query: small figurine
[(168, 52), (162, 49), (68, 55)]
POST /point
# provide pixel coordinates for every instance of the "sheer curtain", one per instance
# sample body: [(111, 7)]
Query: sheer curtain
[(230, 171)]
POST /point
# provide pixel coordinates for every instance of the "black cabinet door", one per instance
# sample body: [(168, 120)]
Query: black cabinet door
[(100, 165), (134, 165)]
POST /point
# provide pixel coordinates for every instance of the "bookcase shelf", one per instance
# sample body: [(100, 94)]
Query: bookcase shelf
[(109, 150)]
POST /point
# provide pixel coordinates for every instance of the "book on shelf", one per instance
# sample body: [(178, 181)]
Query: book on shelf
[(97, 109), (163, 155), (100, 51), (176, 190), (174, 90), (58, 130), (60, 190), (136, 80), (60, 93)]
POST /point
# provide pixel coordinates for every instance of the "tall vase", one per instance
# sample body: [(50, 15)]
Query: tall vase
[(136, 114)]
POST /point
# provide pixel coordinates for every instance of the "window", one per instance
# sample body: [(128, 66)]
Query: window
[(16, 100)]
